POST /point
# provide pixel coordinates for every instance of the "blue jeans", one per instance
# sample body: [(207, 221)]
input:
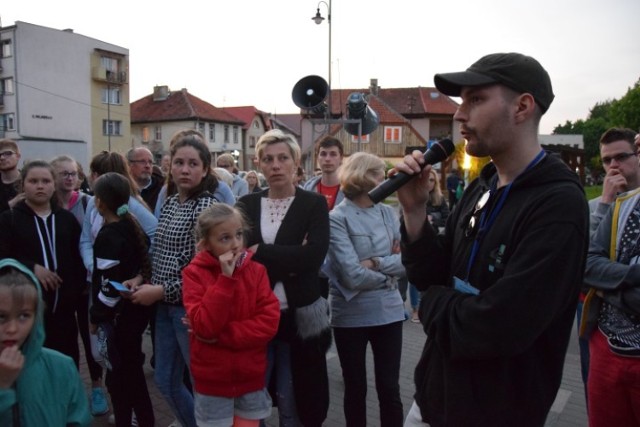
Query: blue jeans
[(414, 296), (172, 357), (279, 359)]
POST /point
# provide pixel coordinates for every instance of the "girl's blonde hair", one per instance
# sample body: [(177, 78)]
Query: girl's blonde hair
[(435, 195), (215, 215), (359, 174), (22, 289)]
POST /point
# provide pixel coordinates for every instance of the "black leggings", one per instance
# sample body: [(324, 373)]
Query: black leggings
[(386, 345)]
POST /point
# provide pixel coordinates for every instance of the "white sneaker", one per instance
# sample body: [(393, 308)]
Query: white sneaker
[(112, 420), (175, 423)]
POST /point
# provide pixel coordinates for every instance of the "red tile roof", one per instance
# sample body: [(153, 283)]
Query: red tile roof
[(179, 105), (413, 101)]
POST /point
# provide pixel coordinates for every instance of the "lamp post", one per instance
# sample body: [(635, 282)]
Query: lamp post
[(318, 20)]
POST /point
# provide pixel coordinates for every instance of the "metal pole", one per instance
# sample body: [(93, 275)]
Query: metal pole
[(330, 88), (109, 126)]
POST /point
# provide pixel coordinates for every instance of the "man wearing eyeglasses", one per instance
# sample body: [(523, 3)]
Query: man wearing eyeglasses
[(611, 311), (620, 162), (10, 193), (144, 173), (501, 284)]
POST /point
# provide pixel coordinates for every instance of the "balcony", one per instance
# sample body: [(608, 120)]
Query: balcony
[(103, 75)]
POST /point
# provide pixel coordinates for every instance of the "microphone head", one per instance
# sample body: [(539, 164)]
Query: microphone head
[(447, 146), (439, 151)]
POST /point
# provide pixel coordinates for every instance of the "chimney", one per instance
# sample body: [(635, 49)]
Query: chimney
[(373, 87), (160, 93)]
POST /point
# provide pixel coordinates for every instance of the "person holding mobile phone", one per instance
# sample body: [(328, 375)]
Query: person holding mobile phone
[(121, 263)]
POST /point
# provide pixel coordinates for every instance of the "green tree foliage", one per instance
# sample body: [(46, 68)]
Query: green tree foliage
[(623, 112)]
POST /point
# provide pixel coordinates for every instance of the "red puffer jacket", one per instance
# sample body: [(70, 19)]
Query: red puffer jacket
[(232, 319)]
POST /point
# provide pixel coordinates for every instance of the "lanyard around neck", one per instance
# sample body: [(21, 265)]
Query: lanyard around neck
[(487, 221)]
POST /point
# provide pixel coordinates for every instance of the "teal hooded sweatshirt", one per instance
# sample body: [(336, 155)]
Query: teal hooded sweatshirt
[(49, 391)]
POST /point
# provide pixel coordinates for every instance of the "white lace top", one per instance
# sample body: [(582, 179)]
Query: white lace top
[(273, 212)]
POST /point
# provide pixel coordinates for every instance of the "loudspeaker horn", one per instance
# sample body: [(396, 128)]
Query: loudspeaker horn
[(309, 94), (357, 108)]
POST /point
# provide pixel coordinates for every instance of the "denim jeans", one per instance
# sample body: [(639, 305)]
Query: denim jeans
[(414, 296), (172, 358), (279, 359)]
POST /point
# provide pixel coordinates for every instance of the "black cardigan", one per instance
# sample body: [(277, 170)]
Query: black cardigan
[(288, 259), (295, 258)]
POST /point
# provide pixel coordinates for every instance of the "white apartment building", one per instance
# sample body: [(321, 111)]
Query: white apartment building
[(62, 93)]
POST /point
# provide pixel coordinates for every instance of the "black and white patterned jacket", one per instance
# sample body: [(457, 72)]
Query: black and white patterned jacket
[(175, 243)]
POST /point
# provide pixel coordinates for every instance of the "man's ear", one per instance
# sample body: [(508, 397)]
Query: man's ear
[(525, 107)]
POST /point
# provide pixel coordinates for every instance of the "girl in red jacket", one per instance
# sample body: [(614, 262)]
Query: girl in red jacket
[(233, 314)]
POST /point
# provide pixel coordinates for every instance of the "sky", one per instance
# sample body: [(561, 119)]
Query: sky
[(252, 52)]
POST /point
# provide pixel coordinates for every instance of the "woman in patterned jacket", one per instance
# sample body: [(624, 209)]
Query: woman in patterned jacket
[(174, 247)]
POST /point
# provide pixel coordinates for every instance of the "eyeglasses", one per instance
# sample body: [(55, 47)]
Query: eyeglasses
[(619, 158), (475, 216), (142, 162), (224, 166), (68, 174), (7, 153)]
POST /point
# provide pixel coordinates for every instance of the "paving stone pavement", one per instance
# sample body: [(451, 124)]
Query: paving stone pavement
[(568, 410)]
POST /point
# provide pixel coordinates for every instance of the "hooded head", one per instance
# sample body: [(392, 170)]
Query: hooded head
[(20, 286)]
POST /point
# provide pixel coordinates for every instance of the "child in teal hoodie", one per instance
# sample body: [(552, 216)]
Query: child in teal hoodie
[(38, 386)]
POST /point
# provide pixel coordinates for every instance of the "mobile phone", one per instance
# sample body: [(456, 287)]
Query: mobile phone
[(119, 286)]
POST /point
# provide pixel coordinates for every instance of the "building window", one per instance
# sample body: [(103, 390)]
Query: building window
[(393, 134), (212, 132), (111, 127), (252, 142), (158, 133), (111, 95), (6, 48), (6, 85), (109, 64), (8, 122), (235, 135), (145, 134), (256, 125), (201, 127), (226, 133), (365, 138)]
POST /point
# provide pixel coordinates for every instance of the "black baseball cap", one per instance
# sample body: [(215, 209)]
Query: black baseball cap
[(519, 72)]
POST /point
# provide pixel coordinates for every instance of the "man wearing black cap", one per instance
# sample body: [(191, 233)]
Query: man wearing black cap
[(501, 285)]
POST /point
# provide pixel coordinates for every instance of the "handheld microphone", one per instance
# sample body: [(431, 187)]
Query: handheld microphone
[(437, 153)]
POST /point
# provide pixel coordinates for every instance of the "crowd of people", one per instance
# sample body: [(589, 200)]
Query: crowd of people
[(244, 286)]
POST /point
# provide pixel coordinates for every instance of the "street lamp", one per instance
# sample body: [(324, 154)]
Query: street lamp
[(318, 20)]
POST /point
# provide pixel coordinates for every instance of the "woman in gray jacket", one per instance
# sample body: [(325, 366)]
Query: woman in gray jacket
[(366, 307)]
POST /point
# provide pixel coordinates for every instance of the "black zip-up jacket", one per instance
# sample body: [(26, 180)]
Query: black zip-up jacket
[(496, 358), (30, 239)]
